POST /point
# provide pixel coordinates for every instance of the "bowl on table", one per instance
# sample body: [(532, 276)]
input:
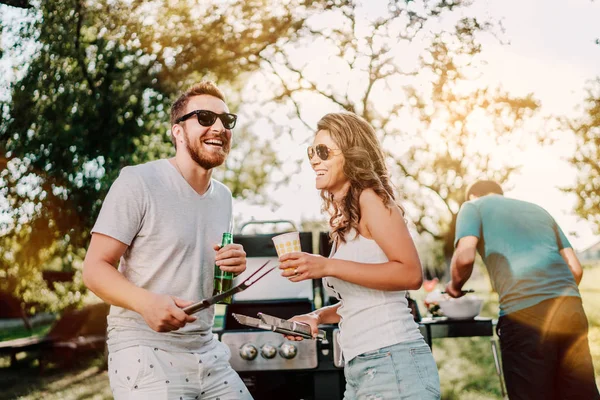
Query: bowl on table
[(466, 307)]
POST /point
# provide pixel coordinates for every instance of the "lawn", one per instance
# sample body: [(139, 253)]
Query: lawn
[(19, 332), (466, 365)]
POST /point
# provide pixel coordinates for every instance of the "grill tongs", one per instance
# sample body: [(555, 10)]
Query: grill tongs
[(249, 281), (279, 325)]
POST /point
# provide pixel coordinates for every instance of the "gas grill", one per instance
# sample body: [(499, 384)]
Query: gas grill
[(271, 366)]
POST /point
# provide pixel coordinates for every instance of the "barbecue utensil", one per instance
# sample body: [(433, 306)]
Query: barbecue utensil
[(253, 322), (464, 291), (279, 325), (249, 281), (293, 326)]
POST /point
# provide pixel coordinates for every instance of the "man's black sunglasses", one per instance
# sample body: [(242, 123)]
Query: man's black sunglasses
[(208, 118), (321, 150)]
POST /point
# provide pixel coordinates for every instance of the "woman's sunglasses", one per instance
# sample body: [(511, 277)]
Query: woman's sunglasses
[(322, 151), (208, 118)]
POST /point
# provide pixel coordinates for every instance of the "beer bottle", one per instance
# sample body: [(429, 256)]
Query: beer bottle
[(223, 280)]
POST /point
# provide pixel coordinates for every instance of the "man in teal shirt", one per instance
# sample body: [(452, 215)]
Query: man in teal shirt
[(543, 328)]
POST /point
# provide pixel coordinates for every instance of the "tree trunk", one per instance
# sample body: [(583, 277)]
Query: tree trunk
[(26, 322)]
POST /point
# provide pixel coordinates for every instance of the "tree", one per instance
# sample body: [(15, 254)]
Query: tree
[(17, 3), (586, 129), (473, 132), (94, 97), (586, 159), (440, 128)]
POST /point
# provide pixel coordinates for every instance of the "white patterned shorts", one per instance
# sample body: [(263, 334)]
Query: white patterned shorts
[(143, 372)]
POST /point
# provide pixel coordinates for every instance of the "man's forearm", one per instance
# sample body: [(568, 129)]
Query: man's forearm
[(461, 269), (460, 277), (111, 286)]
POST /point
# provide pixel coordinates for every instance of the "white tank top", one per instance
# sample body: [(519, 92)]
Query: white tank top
[(370, 318)]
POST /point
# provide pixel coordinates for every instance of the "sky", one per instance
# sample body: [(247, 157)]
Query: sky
[(551, 53)]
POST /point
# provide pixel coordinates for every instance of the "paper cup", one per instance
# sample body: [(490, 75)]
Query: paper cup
[(287, 243)]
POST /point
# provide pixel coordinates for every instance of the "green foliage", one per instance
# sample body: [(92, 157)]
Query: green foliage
[(464, 133), (249, 166), (95, 96), (439, 129), (22, 332), (191, 38), (73, 121), (17, 3), (586, 158)]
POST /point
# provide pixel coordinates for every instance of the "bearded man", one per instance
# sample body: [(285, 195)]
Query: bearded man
[(159, 223)]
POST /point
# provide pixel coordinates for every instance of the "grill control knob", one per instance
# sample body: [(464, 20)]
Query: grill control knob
[(268, 351), (248, 352), (288, 350)]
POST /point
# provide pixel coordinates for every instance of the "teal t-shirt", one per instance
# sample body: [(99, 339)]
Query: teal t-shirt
[(519, 243)]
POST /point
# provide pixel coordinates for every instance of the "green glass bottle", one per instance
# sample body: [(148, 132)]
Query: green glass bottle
[(223, 280)]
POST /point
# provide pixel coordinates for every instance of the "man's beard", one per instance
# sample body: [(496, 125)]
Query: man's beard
[(207, 161)]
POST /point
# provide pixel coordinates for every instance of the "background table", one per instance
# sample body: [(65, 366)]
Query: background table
[(438, 328)]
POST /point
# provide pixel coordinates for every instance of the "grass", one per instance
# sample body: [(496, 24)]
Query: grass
[(21, 332), (590, 293), (465, 365), (87, 380)]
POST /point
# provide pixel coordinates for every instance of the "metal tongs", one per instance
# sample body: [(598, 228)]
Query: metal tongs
[(249, 281), (279, 325), (462, 291)]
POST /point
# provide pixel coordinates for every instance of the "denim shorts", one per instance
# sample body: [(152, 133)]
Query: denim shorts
[(401, 371)]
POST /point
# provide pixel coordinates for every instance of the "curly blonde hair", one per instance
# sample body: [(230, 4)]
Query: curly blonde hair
[(364, 166)]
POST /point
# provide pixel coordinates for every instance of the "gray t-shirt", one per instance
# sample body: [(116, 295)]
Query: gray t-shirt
[(170, 230)]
